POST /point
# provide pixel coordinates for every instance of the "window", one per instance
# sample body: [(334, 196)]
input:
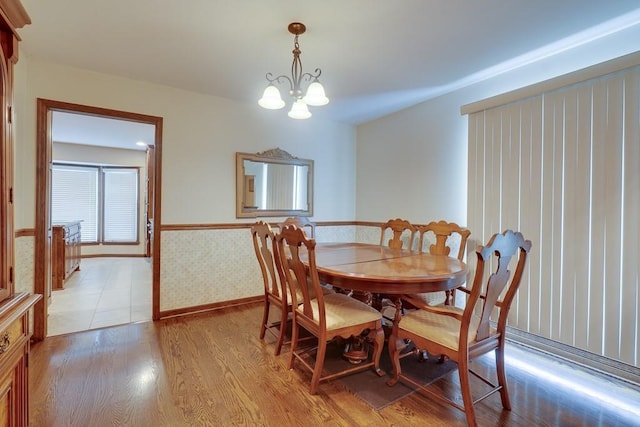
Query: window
[(104, 198)]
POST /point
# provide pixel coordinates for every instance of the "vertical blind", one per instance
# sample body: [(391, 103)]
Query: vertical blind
[(280, 184), (563, 167), (105, 199)]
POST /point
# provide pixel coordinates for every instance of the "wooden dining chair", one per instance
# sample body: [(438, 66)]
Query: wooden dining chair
[(440, 238), (325, 316), (302, 222), (274, 292), (464, 334), (400, 234), (401, 231)]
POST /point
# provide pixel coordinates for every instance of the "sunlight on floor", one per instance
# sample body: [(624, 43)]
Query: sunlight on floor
[(105, 292), (594, 387)]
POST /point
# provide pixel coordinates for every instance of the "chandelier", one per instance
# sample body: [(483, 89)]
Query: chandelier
[(314, 96)]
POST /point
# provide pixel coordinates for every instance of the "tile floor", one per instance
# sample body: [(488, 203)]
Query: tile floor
[(105, 292)]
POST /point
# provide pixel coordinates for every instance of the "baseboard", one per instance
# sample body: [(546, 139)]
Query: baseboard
[(604, 365)]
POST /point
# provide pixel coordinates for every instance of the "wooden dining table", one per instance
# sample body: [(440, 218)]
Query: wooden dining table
[(379, 269), (370, 269)]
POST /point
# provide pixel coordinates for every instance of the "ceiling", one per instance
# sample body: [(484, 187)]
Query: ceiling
[(76, 128), (376, 56)]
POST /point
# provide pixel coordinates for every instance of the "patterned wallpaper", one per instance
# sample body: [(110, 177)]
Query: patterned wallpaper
[(24, 255), (208, 266)]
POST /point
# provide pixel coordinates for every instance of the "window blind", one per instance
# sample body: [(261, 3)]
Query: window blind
[(74, 197), (105, 199), (563, 167), (120, 205)]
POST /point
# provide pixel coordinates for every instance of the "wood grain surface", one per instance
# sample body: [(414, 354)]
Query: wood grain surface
[(213, 370)]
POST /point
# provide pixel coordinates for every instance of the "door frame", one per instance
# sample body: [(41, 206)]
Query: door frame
[(42, 256)]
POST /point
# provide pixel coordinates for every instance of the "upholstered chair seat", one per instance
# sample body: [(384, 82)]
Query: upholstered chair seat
[(442, 329), (343, 311)]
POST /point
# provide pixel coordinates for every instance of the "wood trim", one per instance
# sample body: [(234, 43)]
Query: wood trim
[(210, 307), (15, 14), (157, 220), (26, 232), (229, 226), (114, 256), (186, 227)]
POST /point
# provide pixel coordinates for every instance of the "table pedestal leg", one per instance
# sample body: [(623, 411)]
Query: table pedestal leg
[(356, 350), (396, 344)]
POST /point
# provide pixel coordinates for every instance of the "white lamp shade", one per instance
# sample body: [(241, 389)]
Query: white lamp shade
[(315, 95), (299, 110), (271, 99)]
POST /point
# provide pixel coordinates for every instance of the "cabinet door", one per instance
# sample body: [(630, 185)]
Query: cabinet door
[(8, 397)]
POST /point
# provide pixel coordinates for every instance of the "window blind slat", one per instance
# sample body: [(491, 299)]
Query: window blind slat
[(582, 218), (613, 203), (598, 191)]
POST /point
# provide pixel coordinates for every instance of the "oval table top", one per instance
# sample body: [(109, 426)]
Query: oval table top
[(379, 269)]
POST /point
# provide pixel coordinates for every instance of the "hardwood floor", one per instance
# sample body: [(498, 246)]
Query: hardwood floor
[(213, 370)]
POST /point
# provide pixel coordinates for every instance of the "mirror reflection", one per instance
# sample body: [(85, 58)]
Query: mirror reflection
[(273, 183)]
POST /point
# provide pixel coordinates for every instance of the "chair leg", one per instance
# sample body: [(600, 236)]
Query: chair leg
[(465, 388), (396, 344), (377, 336), (283, 329), (502, 378), (265, 317), (317, 368), (294, 341)]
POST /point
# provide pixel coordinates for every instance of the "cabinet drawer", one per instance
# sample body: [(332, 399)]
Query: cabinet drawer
[(12, 336)]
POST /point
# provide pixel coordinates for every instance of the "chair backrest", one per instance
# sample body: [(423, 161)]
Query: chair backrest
[(487, 289), (263, 243), (303, 223), (402, 233), (292, 247), (447, 235)]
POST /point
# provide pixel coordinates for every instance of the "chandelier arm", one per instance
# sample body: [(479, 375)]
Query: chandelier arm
[(314, 75), (279, 79)]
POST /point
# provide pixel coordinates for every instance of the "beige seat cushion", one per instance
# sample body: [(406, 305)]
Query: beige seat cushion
[(342, 310), (431, 298), (438, 328)]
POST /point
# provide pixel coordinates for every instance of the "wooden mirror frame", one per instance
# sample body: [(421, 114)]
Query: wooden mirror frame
[(276, 156)]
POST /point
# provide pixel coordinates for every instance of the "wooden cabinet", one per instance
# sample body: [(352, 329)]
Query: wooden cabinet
[(15, 335), (65, 252), (15, 331)]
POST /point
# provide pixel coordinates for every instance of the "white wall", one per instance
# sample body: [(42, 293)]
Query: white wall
[(413, 163), (200, 137)]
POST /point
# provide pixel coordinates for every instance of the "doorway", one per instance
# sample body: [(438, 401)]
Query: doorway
[(42, 270)]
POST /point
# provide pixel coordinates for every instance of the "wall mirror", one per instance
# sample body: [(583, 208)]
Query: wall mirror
[(273, 183)]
